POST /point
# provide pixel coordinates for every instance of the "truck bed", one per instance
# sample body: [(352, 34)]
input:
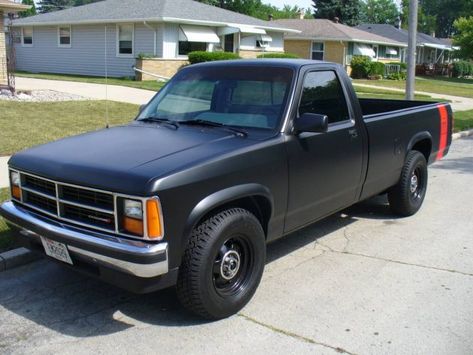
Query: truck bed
[(382, 106)]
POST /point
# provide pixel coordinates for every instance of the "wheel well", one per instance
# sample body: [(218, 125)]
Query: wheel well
[(424, 146), (260, 206)]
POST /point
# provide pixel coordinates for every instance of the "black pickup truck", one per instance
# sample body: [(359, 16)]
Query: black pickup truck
[(227, 157)]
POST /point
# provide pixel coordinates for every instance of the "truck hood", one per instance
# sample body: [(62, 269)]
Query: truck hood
[(116, 159)]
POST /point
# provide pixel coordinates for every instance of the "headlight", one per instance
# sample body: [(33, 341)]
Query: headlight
[(133, 209), (15, 178)]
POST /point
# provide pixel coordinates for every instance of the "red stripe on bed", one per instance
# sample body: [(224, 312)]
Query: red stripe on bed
[(443, 130)]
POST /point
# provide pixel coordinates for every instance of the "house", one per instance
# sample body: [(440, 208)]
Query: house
[(6, 7), (430, 50), (80, 40), (332, 41)]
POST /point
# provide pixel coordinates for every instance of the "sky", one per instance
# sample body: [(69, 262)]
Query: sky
[(280, 3)]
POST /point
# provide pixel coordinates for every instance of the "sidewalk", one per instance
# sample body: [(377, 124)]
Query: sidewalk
[(458, 103), (93, 91)]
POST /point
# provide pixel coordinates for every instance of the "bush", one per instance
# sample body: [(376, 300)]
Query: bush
[(376, 69), (397, 76), (462, 68), (360, 67), (145, 56), (402, 65), (278, 55), (201, 56)]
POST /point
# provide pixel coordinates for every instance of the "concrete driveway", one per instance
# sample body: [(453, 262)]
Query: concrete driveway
[(93, 91), (359, 282)]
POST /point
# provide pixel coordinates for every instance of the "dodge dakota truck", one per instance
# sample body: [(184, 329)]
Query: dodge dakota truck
[(226, 157)]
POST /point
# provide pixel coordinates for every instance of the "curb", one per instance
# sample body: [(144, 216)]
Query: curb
[(17, 257), (462, 134)]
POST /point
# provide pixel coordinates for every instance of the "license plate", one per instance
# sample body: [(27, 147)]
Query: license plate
[(56, 250)]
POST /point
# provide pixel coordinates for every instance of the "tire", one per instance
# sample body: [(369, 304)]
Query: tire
[(222, 265), (406, 197)]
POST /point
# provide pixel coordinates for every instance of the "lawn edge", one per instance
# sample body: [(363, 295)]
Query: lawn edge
[(462, 134)]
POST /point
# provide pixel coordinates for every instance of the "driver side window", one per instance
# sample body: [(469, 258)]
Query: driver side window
[(322, 94)]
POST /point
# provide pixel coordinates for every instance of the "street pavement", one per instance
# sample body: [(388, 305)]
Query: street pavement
[(359, 282)]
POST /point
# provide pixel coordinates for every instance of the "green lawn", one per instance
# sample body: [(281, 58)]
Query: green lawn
[(463, 120), (147, 85), (6, 240), (364, 92), (440, 85), (25, 124)]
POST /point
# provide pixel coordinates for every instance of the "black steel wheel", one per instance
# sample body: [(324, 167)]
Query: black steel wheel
[(222, 265), (407, 196)]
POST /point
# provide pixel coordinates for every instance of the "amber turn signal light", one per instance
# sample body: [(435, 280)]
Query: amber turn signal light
[(153, 219), (16, 192), (133, 225)]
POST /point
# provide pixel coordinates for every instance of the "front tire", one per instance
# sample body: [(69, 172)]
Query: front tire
[(406, 197), (222, 265)]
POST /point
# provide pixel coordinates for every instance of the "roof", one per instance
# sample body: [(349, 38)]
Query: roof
[(328, 30), (12, 6), (401, 35), (115, 11)]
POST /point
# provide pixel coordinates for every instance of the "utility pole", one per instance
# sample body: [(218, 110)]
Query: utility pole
[(411, 50)]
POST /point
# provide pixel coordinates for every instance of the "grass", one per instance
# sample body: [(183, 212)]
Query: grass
[(6, 238), (463, 120), (25, 124), (146, 85), (364, 92), (437, 85)]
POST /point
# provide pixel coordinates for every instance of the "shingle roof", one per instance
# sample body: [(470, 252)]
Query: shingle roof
[(145, 10), (326, 29), (400, 35)]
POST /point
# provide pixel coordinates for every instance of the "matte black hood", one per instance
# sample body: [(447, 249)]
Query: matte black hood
[(105, 159)]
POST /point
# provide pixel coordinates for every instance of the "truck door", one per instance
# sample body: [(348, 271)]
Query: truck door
[(324, 168)]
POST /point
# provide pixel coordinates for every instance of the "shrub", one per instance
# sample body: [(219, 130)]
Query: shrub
[(145, 56), (397, 76), (376, 69), (278, 55), (201, 56), (360, 66), (462, 68)]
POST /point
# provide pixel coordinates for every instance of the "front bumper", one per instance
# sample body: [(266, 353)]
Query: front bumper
[(133, 257)]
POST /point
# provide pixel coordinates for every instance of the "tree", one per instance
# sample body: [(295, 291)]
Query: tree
[(441, 14), (464, 37), (54, 5), (31, 11), (346, 10), (379, 11)]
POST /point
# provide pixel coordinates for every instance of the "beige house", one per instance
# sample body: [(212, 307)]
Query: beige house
[(6, 7), (331, 41)]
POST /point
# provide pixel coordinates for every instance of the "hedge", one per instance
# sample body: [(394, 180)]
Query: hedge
[(462, 68), (376, 68), (360, 66), (278, 55), (201, 56)]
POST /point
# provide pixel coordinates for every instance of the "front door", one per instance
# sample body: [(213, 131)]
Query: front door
[(229, 41), (324, 168)]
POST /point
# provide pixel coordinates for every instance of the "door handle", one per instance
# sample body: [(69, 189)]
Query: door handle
[(353, 133)]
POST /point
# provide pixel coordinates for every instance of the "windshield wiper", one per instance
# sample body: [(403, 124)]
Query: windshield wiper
[(200, 122), (160, 120)]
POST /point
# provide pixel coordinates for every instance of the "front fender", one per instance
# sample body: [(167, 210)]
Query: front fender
[(222, 197)]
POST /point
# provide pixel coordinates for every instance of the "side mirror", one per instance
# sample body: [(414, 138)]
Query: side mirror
[(311, 122)]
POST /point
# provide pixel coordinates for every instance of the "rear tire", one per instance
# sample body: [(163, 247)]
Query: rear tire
[(222, 265), (406, 197)]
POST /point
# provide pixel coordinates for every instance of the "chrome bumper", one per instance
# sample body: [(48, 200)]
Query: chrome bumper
[(133, 257)]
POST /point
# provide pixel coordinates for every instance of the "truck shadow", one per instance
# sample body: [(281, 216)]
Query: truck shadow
[(75, 305)]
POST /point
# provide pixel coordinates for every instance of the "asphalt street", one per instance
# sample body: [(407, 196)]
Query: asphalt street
[(359, 282)]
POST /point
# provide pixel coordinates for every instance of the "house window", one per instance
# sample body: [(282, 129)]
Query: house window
[(125, 37), (186, 47), (64, 36), (27, 36), (318, 50), (16, 35)]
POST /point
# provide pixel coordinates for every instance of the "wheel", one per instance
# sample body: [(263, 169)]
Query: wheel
[(222, 264), (406, 197)]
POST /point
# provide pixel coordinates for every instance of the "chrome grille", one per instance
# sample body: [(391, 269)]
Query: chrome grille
[(80, 205)]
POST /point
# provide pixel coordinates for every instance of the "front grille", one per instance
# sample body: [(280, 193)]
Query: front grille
[(84, 206), (88, 216)]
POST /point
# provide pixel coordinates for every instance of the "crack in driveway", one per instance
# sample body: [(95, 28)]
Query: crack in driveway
[(294, 335)]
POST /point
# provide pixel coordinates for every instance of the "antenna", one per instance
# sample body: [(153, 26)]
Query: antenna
[(107, 120)]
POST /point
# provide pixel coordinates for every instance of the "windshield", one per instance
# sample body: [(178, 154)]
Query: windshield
[(253, 97)]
